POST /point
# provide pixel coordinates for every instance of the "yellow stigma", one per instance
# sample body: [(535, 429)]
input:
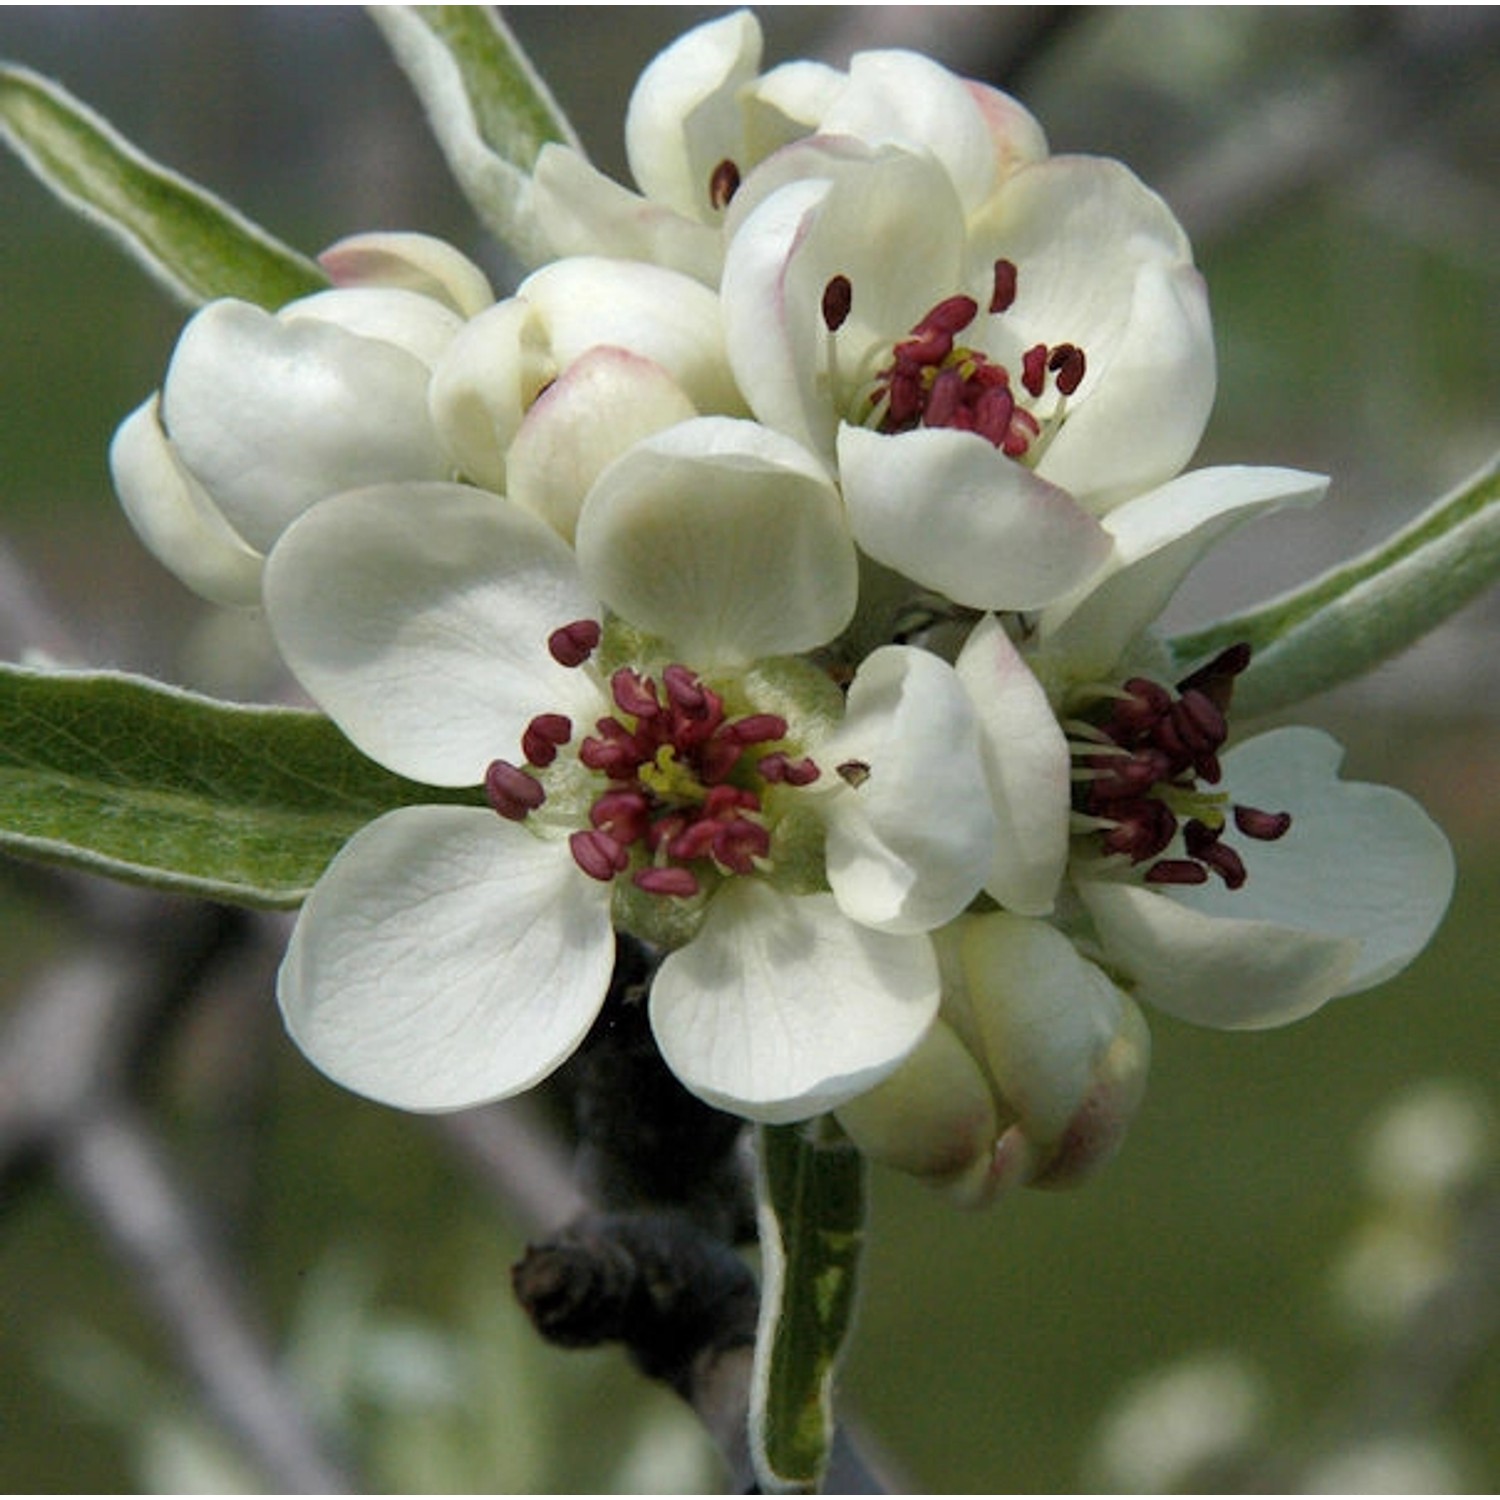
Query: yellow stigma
[(670, 780)]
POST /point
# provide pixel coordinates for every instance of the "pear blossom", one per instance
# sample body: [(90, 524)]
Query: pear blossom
[(263, 414), (656, 754), (703, 120), (538, 394), (1237, 888), (986, 383)]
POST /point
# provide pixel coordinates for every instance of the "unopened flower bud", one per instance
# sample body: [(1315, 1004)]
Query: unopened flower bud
[(935, 1117), (1066, 1049)]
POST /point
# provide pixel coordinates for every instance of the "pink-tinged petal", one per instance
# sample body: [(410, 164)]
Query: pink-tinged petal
[(417, 617), (1158, 537), (272, 416), (417, 262), (482, 387), (1027, 765), (781, 1007), (654, 312), (1360, 861), (446, 958), (583, 212), (910, 840), (1016, 137), (724, 538), (684, 113), (175, 517), (601, 405), (1231, 973), (947, 509)]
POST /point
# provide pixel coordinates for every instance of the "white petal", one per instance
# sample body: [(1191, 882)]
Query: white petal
[(684, 116), (446, 958), (782, 1008), (1142, 421), (1158, 537), (602, 404), (1215, 971), (1360, 861), (723, 537), (417, 262), (785, 104), (946, 508), (1026, 763), (583, 212), (421, 325), (482, 387), (911, 844), (904, 99), (272, 417), (175, 517), (417, 616), (667, 317)]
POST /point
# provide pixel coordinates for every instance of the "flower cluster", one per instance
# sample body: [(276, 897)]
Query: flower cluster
[(776, 569)]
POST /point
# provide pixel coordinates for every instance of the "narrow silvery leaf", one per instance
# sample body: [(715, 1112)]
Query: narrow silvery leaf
[(487, 105), (811, 1234), (1366, 610), (196, 245), (142, 782)]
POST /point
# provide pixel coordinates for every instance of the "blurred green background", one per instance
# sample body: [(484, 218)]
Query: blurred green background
[(1336, 168)]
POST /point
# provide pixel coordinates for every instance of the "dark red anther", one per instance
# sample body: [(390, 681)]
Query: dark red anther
[(1034, 369), (944, 399), (573, 644), (1215, 679), (1203, 728), (1023, 428), (1203, 844), (1004, 292), (635, 694), (511, 791), (1144, 827), (623, 815), (723, 183), (739, 843), (1255, 824), (1067, 365), (543, 736), (838, 299), (684, 691), (779, 767), (905, 404), (951, 315), (756, 729), (992, 414), (668, 880), (1176, 872), (597, 854)]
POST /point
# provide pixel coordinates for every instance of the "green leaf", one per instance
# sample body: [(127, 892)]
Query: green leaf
[(147, 783), (1364, 611), (197, 246), (812, 1216), (487, 105)]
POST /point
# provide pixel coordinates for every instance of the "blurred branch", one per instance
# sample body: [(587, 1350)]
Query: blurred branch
[(66, 1058)]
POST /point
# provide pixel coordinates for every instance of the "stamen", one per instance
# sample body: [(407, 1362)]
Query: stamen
[(1034, 369), (778, 767), (634, 694), (512, 792), (667, 880), (1255, 824), (572, 645), (1177, 872), (1004, 292), (543, 736), (1067, 364), (723, 183), (838, 299), (597, 854)]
